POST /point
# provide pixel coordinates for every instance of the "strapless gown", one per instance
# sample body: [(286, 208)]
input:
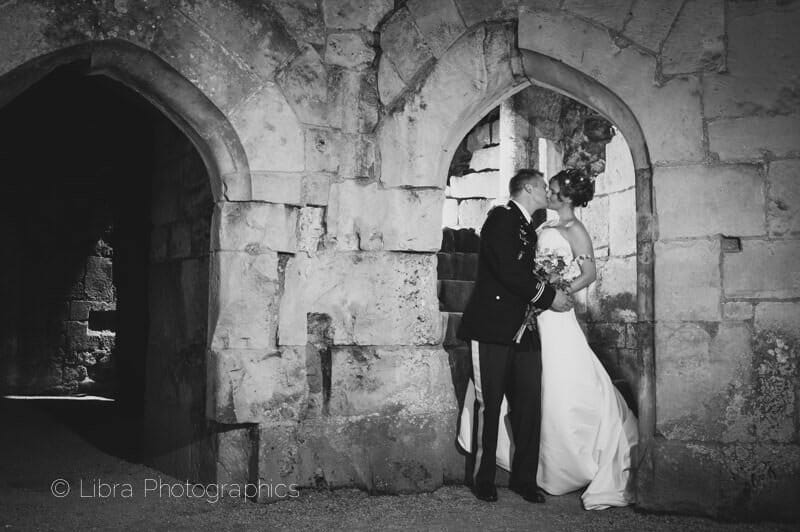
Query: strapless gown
[(588, 431)]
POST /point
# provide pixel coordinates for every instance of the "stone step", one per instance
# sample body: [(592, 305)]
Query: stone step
[(453, 295), (457, 266), (464, 240), (450, 322)]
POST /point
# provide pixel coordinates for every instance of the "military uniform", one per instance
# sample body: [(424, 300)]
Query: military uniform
[(496, 309)]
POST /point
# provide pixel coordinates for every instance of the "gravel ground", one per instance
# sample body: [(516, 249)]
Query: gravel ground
[(35, 450)]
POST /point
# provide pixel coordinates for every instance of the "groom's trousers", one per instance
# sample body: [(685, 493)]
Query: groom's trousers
[(516, 372)]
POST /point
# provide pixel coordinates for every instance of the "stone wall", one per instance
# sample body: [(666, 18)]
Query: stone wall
[(179, 438), (320, 150)]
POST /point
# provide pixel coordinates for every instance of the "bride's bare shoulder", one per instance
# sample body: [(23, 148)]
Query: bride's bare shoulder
[(577, 234)]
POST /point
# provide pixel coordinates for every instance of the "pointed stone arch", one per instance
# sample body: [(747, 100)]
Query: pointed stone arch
[(431, 109)]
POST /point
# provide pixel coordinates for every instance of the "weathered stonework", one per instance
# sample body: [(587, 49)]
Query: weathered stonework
[(714, 188), (379, 298), (688, 284), (315, 183), (777, 273), (696, 41)]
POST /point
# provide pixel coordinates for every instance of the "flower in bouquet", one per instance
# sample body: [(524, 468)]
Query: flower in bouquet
[(554, 268)]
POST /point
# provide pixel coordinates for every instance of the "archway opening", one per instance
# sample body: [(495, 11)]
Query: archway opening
[(106, 276), (538, 128)]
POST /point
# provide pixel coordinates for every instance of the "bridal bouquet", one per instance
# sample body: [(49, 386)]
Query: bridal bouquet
[(553, 268)]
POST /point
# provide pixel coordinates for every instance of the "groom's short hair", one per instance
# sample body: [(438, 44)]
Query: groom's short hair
[(521, 178)]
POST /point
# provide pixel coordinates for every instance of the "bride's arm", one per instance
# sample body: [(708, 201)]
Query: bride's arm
[(581, 244)]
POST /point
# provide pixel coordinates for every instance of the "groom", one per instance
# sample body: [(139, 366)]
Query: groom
[(496, 309)]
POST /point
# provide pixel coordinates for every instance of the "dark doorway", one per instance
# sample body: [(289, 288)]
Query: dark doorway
[(106, 237)]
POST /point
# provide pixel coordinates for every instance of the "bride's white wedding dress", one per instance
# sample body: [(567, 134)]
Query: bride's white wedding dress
[(588, 431)]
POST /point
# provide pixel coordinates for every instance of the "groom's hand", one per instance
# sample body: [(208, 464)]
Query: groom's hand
[(562, 302)]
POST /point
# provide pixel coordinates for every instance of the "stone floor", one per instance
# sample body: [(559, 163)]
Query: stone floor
[(36, 449)]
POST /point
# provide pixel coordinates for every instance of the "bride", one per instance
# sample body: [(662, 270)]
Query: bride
[(587, 430)]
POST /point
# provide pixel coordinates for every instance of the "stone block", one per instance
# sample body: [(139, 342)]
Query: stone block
[(459, 266), (698, 201), (271, 134), (403, 45), (304, 83), (328, 150), (761, 77), (650, 22), (779, 317), (355, 14), (610, 14), (475, 185), (687, 281), (99, 280), (390, 86), (243, 300), (21, 28), (381, 454), (204, 61), (754, 137), (777, 275), (79, 310), (450, 213), (376, 299), (439, 23), (481, 137), (619, 173), (356, 98), (763, 481), (697, 39), (783, 211), (686, 478), (622, 223), (595, 218), (454, 294), (351, 225), (590, 49), (303, 20), (473, 212), (672, 120), (258, 386), (613, 296), (737, 310), (348, 50), (254, 228), (701, 372), (384, 225), (390, 381), (278, 187), (256, 34), (485, 159), (424, 207), (310, 229), (316, 188), (235, 450), (477, 11)]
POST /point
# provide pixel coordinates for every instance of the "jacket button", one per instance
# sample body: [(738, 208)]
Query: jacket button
[(497, 297)]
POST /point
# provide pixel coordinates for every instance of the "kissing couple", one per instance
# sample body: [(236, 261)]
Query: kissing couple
[(540, 404)]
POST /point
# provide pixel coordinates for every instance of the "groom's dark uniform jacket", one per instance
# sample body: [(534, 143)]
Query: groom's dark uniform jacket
[(505, 282)]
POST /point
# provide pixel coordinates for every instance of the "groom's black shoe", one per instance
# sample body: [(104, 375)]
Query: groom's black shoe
[(529, 492), (485, 492)]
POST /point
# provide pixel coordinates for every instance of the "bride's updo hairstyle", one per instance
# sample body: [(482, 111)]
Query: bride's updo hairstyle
[(575, 185)]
